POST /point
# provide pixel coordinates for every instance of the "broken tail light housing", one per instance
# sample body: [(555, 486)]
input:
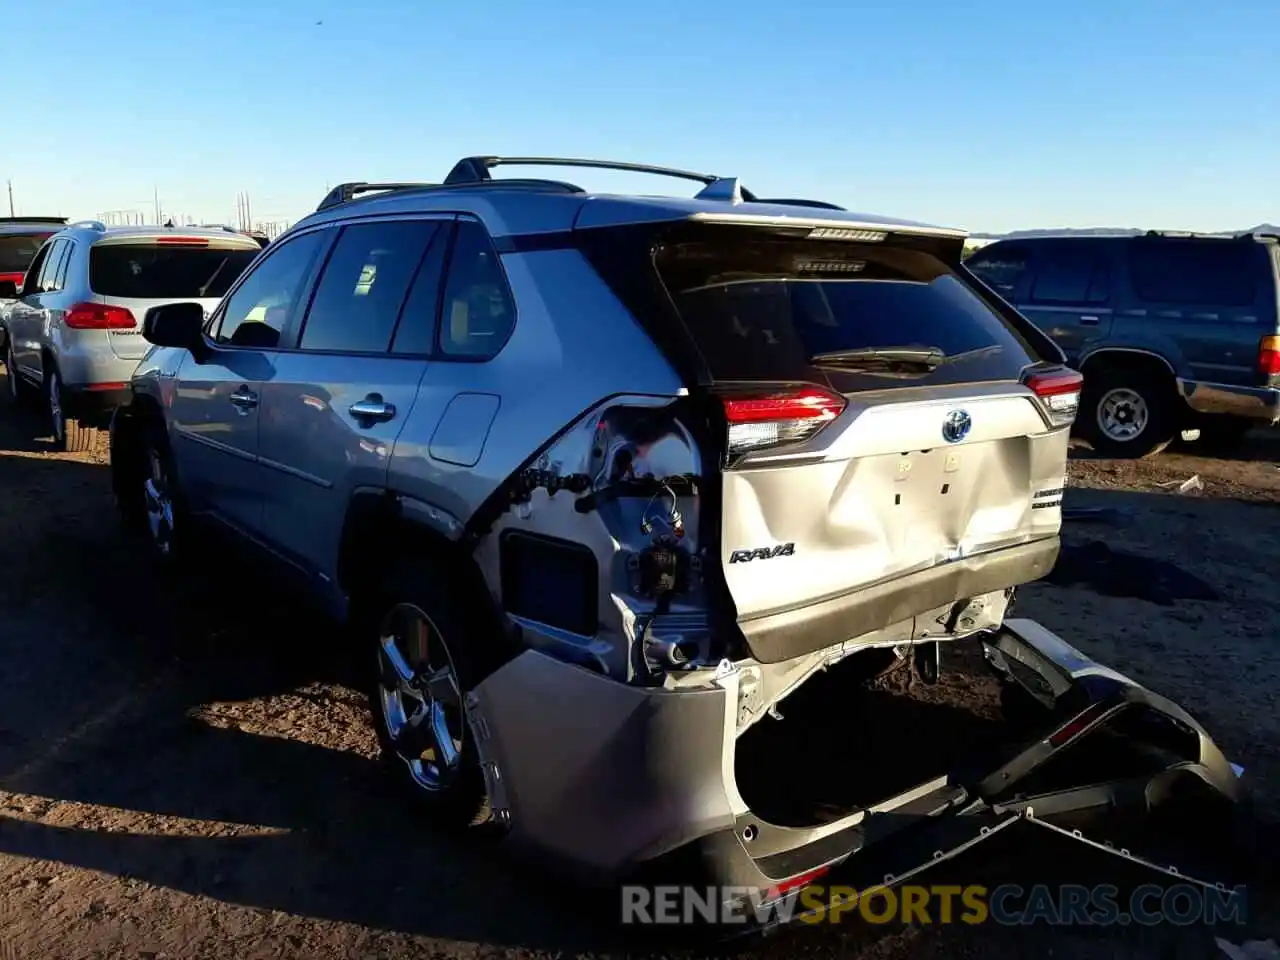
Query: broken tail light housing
[(97, 316), (759, 421), (1269, 356), (1059, 394)]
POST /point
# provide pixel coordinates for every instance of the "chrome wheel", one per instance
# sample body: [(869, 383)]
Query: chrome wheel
[(56, 416), (1122, 414), (158, 501), (420, 697)]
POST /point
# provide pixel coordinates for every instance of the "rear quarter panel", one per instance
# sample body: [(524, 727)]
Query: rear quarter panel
[(574, 345)]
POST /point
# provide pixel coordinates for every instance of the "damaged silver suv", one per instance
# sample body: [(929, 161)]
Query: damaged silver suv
[(602, 480)]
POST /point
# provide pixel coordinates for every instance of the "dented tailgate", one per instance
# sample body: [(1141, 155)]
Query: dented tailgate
[(892, 443)]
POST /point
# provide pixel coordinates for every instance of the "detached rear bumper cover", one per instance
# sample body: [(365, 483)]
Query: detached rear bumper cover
[(606, 779)]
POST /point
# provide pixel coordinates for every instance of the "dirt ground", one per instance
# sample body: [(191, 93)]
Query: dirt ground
[(186, 771)]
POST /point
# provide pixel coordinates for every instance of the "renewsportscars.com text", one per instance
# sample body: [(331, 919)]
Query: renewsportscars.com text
[(1008, 905)]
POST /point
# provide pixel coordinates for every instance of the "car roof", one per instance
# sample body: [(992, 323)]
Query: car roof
[(522, 207), (99, 231), (32, 224)]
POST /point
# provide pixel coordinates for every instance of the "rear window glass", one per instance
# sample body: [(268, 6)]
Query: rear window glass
[(1213, 273), (17, 250), (123, 270), (765, 309)]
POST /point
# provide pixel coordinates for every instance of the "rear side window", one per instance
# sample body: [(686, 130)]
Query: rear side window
[(49, 269), (478, 311), (1203, 273), (760, 308), (1001, 268), (1066, 276), (17, 250), (364, 286), (146, 270), (64, 264)]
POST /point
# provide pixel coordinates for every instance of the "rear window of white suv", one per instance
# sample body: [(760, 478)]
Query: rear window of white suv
[(146, 270)]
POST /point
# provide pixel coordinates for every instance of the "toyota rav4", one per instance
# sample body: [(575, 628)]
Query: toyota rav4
[(602, 480)]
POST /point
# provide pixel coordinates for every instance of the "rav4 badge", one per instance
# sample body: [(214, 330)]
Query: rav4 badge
[(763, 553)]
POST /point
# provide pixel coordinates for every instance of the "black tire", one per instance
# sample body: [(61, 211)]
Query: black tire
[(459, 638), (1114, 396), (19, 391), (70, 434)]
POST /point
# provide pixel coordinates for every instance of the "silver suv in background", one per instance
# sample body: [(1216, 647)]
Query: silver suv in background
[(599, 481), (75, 331)]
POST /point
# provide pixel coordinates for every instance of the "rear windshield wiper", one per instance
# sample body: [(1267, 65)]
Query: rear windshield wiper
[(876, 359)]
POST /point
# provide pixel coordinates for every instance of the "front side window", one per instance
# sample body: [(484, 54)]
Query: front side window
[(255, 315), (364, 285)]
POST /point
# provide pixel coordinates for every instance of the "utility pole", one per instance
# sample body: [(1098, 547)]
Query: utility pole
[(11, 213), (156, 197)]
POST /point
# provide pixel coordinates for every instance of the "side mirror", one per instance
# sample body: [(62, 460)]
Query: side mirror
[(8, 290), (178, 325)]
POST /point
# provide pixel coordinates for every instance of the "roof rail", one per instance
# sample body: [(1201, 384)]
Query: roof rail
[(477, 170), (795, 202), (1258, 235), (33, 219), (349, 191), (90, 224), (346, 192), (1188, 234)]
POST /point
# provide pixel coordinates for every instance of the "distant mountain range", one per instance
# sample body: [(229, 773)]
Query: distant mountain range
[(1097, 231)]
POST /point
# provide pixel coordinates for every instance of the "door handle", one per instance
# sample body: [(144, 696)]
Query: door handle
[(244, 398), (1089, 320), (373, 408)]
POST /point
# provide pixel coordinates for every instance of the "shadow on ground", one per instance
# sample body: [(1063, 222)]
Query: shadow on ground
[(113, 761)]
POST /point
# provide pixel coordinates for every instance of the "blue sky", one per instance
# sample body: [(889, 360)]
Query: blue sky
[(990, 116)]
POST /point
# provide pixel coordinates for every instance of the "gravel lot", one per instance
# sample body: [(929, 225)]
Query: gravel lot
[(186, 772)]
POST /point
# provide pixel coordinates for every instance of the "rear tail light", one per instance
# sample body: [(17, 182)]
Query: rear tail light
[(15, 278), (181, 242), (96, 316), (762, 420), (1269, 356), (1059, 394)]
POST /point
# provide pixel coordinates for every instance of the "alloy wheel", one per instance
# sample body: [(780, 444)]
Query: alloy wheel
[(158, 500), (420, 697), (1122, 414)]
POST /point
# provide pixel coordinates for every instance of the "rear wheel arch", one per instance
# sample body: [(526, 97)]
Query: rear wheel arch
[(379, 534), (1127, 357), (1148, 374)]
